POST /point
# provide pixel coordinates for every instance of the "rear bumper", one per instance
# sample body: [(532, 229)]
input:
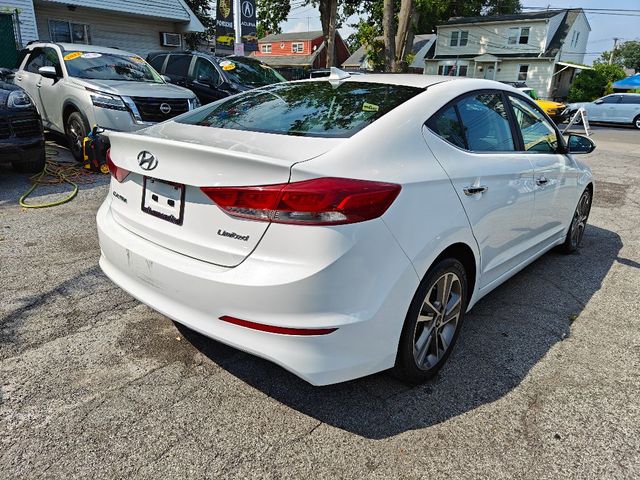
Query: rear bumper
[(364, 293)]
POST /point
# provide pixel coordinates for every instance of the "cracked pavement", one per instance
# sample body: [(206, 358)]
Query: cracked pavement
[(544, 382)]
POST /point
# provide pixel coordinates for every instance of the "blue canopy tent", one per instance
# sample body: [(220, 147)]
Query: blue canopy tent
[(629, 83)]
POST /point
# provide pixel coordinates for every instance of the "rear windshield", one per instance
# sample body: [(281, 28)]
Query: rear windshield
[(314, 109), (107, 66)]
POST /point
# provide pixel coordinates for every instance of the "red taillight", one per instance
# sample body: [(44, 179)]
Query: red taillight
[(321, 201), (116, 172), (280, 330)]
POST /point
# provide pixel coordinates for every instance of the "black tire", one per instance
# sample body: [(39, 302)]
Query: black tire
[(578, 223), (34, 165), (76, 129), (636, 122), (408, 366)]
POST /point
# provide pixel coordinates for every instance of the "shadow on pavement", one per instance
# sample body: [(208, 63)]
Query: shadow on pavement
[(504, 336)]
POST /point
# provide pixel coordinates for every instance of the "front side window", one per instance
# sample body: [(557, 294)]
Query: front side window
[(109, 66), (611, 99), (523, 70), (157, 62), (205, 72), (537, 133), (315, 109), (43, 57), (485, 122)]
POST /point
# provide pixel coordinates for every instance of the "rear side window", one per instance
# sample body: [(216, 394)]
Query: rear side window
[(178, 65), (480, 124), (157, 62), (316, 109), (633, 99)]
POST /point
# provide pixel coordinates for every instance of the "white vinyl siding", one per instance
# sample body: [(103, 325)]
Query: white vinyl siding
[(575, 45), (27, 18), (127, 32)]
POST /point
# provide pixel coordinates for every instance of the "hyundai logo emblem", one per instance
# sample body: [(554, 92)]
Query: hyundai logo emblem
[(165, 108), (147, 160)]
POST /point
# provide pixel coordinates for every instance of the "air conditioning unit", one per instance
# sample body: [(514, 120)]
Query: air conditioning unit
[(171, 39)]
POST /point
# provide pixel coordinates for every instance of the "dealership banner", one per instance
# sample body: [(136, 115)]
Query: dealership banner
[(248, 23), (225, 35)]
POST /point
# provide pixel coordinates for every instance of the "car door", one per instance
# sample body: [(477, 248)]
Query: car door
[(474, 141), (51, 91), (555, 173), (604, 109), (27, 76), (205, 80)]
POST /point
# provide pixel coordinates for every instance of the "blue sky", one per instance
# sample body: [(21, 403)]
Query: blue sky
[(603, 27)]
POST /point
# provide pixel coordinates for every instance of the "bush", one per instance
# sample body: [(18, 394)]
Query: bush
[(591, 84)]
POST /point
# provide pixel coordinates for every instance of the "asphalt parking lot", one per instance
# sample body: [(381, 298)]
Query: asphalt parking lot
[(544, 383)]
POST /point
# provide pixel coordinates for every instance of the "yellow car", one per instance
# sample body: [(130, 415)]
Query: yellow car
[(225, 40), (553, 109)]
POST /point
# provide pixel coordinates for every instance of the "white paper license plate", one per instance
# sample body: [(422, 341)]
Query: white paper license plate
[(164, 200)]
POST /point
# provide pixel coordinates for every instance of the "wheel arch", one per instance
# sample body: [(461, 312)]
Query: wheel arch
[(68, 107), (465, 255)]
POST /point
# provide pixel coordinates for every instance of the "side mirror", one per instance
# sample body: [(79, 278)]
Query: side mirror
[(48, 72), (165, 78), (580, 144), (599, 101), (206, 80)]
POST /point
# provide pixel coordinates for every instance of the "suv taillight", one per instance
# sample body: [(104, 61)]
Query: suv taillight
[(116, 172), (321, 201)]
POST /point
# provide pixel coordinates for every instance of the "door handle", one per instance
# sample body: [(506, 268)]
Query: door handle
[(469, 191), (542, 181)]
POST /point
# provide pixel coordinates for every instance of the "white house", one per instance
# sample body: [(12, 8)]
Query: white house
[(136, 26), (543, 49)]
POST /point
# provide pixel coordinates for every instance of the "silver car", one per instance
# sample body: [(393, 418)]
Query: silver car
[(615, 108), (77, 86)]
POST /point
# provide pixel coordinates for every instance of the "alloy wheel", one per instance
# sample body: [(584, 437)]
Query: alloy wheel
[(579, 222), (76, 135), (437, 321)]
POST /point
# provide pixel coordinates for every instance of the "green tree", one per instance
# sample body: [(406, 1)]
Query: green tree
[(591, 84), (630, 54), (202, 10)]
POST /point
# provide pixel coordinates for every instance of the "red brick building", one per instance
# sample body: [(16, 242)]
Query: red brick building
[(294, 54)]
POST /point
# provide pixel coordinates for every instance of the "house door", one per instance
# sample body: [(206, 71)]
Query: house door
[(489, 72)]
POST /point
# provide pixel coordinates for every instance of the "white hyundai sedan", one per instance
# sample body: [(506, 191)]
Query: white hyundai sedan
[(341, 226)]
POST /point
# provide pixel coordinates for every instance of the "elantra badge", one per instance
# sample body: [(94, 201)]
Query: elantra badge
[(147, 160)]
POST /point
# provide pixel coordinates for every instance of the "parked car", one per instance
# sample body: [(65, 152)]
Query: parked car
[(77, 86), (226, 40), (341, 226), (621, 108), (555, 110), (212, 78), (21, 134)]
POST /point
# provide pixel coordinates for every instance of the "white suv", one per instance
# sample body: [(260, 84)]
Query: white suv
[(77, 86)]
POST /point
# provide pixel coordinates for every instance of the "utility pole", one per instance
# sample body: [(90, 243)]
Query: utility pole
[(238, 48), (615, 44)]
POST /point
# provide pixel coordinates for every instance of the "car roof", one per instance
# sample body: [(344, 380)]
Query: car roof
[(81, 47)]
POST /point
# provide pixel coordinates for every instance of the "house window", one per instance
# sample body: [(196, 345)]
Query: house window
[(68, 32), (575, 43), (462, 71), (459, 38), (519, 35), (523, 70), (453, 70), (265, 48), (297, 47)]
